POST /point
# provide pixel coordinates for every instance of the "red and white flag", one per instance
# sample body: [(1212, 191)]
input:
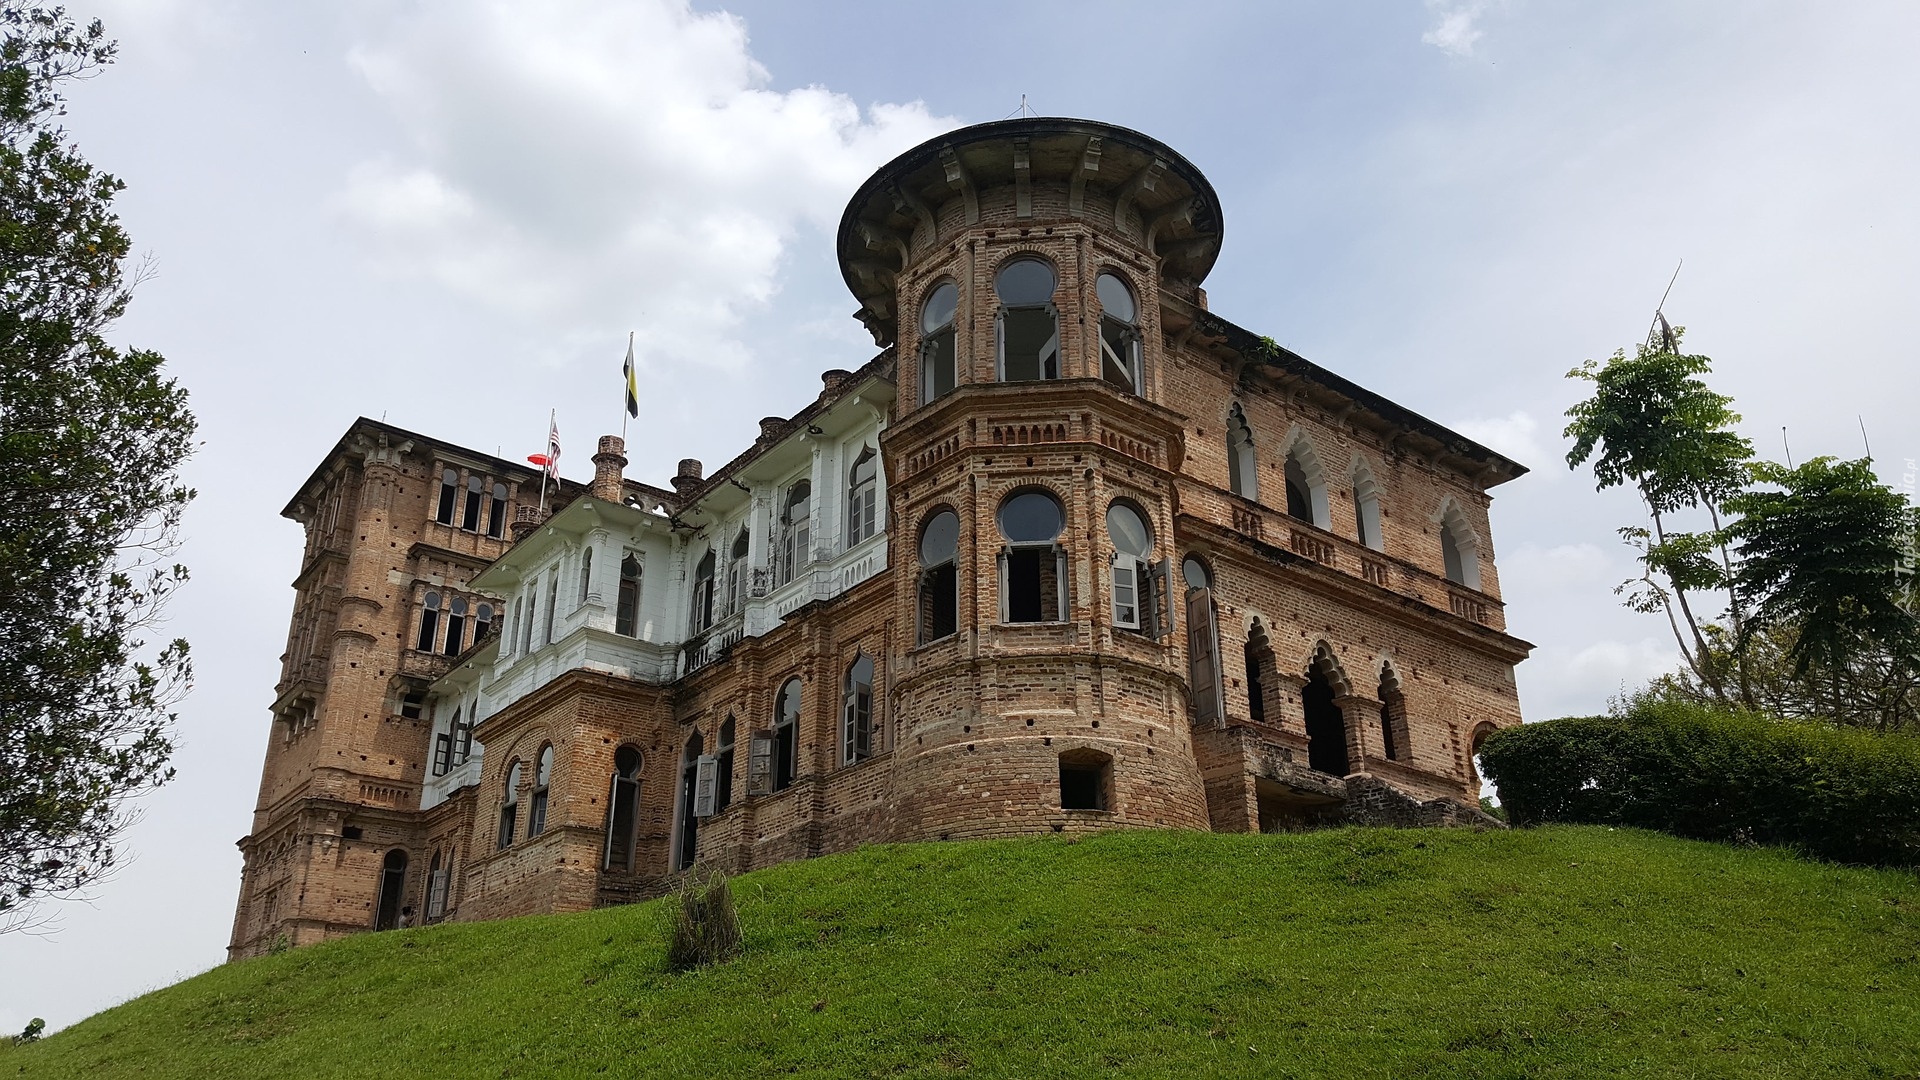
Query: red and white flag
[(553, 448)]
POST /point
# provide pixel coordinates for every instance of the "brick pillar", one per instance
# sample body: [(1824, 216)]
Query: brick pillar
[(609, 464)]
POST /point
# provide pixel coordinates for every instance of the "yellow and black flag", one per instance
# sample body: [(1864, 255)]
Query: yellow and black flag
[(633, 382)]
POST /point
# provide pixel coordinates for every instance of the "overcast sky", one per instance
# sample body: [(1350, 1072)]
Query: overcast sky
[(451, 214)]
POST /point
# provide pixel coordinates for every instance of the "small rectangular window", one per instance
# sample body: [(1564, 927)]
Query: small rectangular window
[(442, 753), (706, 772), (1126, 593), (1031, 584), (760, 763), (1083, 784)]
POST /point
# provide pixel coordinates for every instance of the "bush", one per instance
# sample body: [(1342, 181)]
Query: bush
[(1845, 795), (706, 929)]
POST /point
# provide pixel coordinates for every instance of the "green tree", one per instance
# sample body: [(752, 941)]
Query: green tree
[(1653, 423), (91, 442)]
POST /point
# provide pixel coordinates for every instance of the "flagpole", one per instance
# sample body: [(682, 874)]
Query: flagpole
[(552, 416)]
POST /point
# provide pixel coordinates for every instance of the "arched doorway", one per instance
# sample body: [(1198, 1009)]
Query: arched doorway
[(1326, 726), (393, 887), (687, 841)]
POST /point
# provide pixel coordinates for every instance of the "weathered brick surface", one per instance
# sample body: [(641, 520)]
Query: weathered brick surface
[(969, 730)]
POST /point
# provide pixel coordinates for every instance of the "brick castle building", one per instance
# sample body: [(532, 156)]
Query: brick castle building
[(1071, 552)]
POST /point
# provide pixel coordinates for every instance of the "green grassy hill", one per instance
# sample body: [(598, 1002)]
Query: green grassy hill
[(1353, 953)]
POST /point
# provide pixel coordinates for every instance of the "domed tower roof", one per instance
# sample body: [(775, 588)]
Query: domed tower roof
[(1178, 213)]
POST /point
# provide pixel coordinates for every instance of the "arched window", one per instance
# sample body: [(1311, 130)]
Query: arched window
[(470, 520), (449, 494), (937, 351), (703, 593), (856, 714), (533, 614), (1204, 683), (1366, 508), (553, 604), (1306, 485), (1119, 333), (1459, 548), (1243, 473), (939, 577), (586, 574), (686, 843), (388, 912), (786, 735), (737, 573), (626, 611), (796, 531), (1033, 568), (1326, 723), (1029, 327), (429, 623), (1136, 588), (512, 637), (723, 766), (623, 810), (438, 873), (482, 622), (456, 625), (497, 513), (463, 734), (1394, 736), (862, 496), (510, 805), (542, 783)]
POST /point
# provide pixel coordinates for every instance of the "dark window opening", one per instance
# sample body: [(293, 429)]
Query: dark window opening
[(497, 513), (1084, 780), (429, 623), (1450, 555), (413, 703), (1029, 326), (1394, 734), (510, 807), (939, 577), (856, 737), (1033, 585), (786, 733), (796, 538), (482, 622), (723, 758), (456, 626), (1256, 676), (1299, 492), (687, 843), (388, 914), (937, 367), (1326, 727), (542, 784), (449, 494), (626, 612), (471, 519), (623, 810), (438, 875)]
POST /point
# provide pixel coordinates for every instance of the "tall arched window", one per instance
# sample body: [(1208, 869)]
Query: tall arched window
[(1204, 681), (796, 531), (482, 622), (586, 575), (623, 810), (723, 766), (542, 783), (939, 577), (497, 513), (449, 494), (512, 636), (393, 889), (863, 485), (470, 520), (429, 623), (937, 351), (456, 625), (686, 844), (786, 736), (438, 872), (443, 745), (1119, 333), (1395, 738), (737, 573), (1029, 327), (463, 734), (1135, 596), (1259, 661), (626, 610), (527, 640), (856, 713), (1306, 485), (1243, 473), (510, 805), (1459, 548), (1033, 570), (1366, 508), (703, 593)]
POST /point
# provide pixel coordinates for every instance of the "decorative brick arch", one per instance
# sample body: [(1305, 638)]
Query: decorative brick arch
[(1298, 448)]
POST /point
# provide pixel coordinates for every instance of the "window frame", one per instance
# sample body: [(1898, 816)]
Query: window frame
[(856, 712), (938, 580), (863, 514), (1052, 346), (542, 787), (1038, 551), (947, 332), (626, 605), (786, 733), (1133, 362), (796, 535)]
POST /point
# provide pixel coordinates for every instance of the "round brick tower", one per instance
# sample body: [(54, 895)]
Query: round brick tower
[(1018, 266)]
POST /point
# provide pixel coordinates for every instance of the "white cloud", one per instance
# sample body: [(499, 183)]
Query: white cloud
[(597, 168), (1560, 681), (1517, 436), (1458, 29)]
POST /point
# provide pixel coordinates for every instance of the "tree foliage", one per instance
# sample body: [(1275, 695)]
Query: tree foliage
[(91, 442)]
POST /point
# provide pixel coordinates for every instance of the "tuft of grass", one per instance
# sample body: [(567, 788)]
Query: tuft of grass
[(706, 928), (1551, 952)]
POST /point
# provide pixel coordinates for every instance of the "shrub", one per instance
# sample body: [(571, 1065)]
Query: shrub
[(1845, 795), (706, 928)]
